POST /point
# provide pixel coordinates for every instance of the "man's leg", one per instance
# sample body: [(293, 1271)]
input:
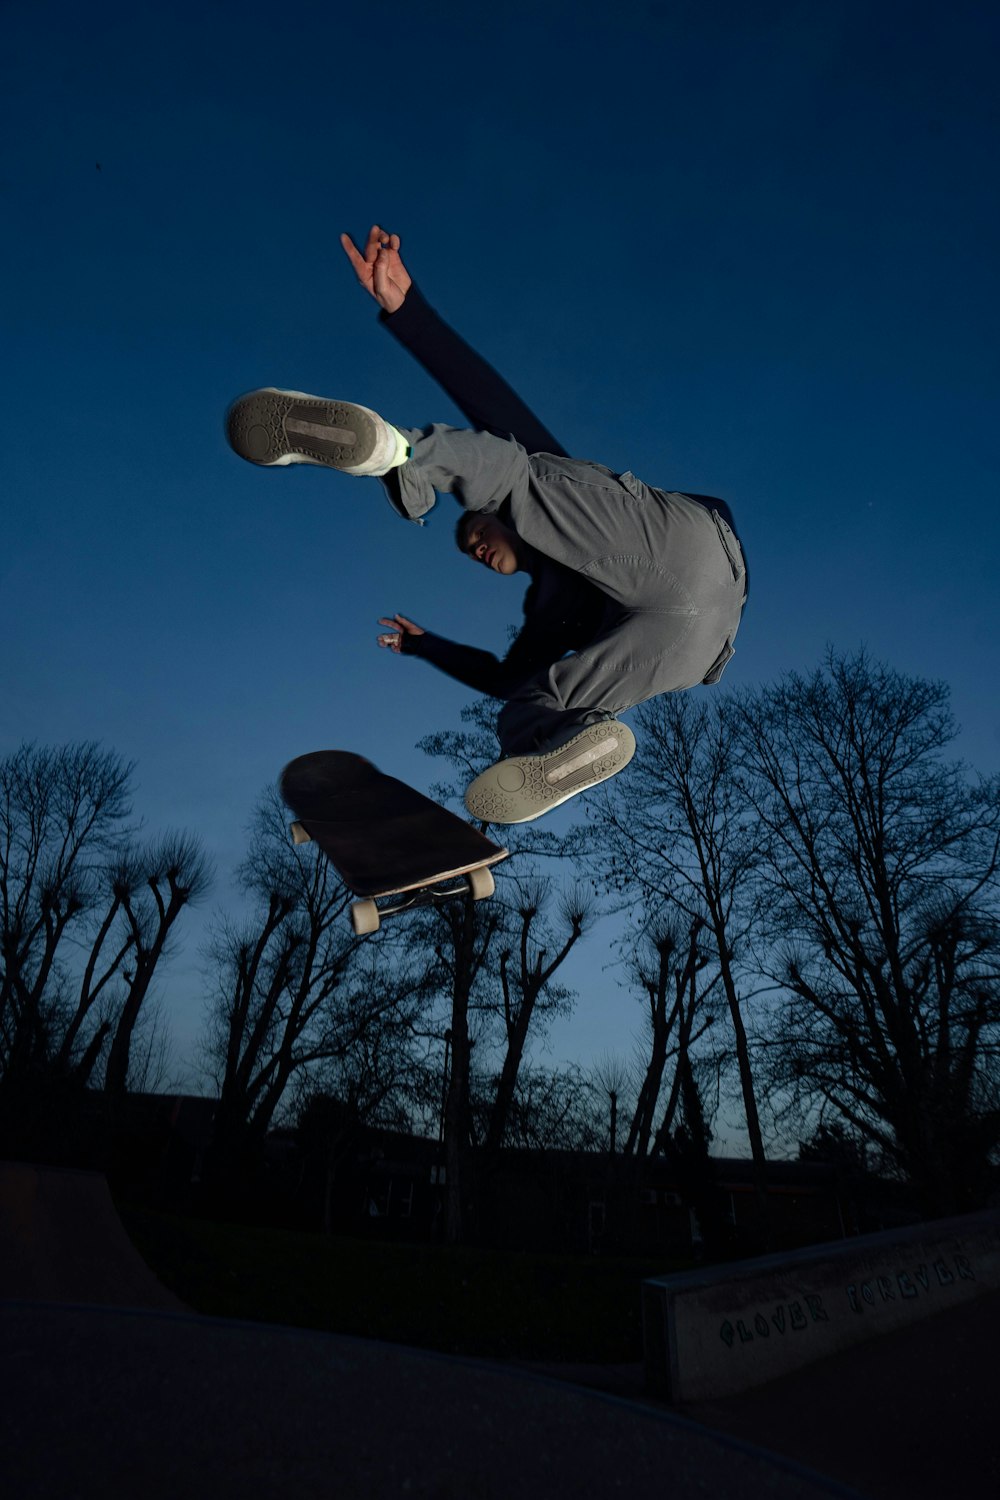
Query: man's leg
[(560, 734), (275, 428), (641, 546), (480, 469)]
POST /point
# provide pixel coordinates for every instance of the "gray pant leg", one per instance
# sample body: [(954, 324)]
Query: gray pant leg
[(640, 655), (675, 570), (479, 469)]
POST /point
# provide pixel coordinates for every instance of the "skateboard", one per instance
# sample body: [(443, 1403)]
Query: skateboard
[(389, 843)]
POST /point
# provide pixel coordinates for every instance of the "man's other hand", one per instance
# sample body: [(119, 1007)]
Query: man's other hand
[(397, 626), (379, 268)]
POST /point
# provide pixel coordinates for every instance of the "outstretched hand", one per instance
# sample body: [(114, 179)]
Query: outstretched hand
[(398, 626), (379, 268)]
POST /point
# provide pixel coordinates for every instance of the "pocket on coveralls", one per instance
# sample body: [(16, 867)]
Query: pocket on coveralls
[(720, 664), (732, 547)]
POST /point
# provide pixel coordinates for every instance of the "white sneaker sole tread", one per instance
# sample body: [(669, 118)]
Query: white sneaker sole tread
[(526, 786), (273, 427)]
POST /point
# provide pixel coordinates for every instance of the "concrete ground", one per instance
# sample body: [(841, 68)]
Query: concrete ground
[(98, 1401), (149, 1398), (911, 1414)]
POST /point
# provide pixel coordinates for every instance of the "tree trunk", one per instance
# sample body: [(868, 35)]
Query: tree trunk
[(749, 1098), (456, 1115)]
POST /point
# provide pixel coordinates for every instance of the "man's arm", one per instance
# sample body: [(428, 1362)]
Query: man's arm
[(479, 670), (557, 619), (485, 399)]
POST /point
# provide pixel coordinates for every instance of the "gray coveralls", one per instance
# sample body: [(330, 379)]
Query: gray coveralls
[(672, 569)]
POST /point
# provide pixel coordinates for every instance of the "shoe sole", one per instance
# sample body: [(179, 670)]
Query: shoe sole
[(273, 427), (526, 786)]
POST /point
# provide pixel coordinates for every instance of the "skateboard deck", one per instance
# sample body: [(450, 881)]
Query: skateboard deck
[(387, 842)]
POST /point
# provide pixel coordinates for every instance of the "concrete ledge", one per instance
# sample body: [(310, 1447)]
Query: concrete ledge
[(712, 1333)]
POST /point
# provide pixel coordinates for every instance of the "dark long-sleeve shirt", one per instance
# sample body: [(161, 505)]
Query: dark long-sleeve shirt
[(483, 396), (562, 611)]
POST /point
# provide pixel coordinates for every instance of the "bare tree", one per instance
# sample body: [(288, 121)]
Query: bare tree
[(558, 1109), (63, 813), (465, 955), (85, 913), (881, 892), (152, 892), (294, 988), (612, 1076), (379, 1080), (527, 970), (666, 963), (460, 934), (153, 1067), (677, 831)]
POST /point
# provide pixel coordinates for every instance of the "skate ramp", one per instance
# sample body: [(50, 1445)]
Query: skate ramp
[(61, 1240)]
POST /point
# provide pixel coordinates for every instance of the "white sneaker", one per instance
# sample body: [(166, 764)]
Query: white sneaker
[(273, 427), (524, 787)]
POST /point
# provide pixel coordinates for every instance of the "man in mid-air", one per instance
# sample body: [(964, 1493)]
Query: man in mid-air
[(634, 591)]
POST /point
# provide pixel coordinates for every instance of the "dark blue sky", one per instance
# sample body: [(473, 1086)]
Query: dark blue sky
[(742, 249)]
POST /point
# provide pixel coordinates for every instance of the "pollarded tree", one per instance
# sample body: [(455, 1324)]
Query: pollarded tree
[(881, 888), (535, 946), (613, 1077), (85, 913), (506, 957), (64, 815), (676, 834), (670, 965), (665, 964), (294, 989), (452, 947), (152, 890)]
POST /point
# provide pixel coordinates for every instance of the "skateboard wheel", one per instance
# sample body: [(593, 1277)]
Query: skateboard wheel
[(364, 917), (299, 835), (481, 884)]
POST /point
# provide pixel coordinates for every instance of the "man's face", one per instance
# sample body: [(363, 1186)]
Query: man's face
[(493, 544)]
